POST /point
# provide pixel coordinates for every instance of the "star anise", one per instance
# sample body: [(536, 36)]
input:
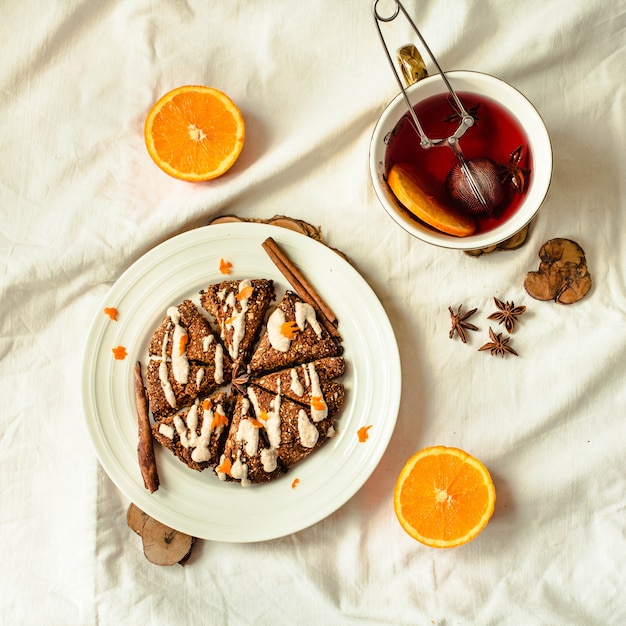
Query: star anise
[(460, 323), (507, 314), (498, 345), (240, 378), (512, 172)]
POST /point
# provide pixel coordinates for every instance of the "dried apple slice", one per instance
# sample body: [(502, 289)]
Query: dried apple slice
[(562, 275)]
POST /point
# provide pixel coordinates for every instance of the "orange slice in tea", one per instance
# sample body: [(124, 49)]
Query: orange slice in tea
[(444, 497), (194, 133), (404, 183)]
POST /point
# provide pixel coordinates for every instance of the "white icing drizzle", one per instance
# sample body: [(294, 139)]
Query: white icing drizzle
[(210, 416), (331, 432), (278, 341), (306, 313), (296, 386), (167, 430), (219, 364), (221, 475), (188, 434), (206, 342), (252, 399), (317, 415), (199, 377), (248, 434), (272, 423), (307, 381), (307, 430), (239, 471), (170, 396), (180, 363), (245, 406), (269, 458), (238, 318)]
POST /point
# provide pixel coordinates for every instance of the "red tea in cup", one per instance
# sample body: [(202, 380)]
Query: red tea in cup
[(496, 135)]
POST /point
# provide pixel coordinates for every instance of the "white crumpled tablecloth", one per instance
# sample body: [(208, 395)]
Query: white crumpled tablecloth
[(80, 200)]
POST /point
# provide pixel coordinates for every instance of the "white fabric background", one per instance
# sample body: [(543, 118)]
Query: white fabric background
[(80, 200)]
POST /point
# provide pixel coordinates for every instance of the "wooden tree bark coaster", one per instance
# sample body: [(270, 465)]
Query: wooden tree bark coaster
[(512, 243), (162, 545), (298, 226)]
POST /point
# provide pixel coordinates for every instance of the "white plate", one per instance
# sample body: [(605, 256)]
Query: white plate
[(198, 503)]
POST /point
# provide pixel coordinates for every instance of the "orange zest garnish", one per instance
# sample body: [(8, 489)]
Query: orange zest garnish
[(295, 482), (184, 340), (444, 497), (245, 293), (317, 403), (230, 320), (219, 419), (264, 416), (224, 467), (225, 266), (111, 312), (194, 133), (206, 404), (120, 353), (255, 422), (289, 329), (362, 433)]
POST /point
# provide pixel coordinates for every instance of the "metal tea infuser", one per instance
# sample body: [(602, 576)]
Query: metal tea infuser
[(475, 183)]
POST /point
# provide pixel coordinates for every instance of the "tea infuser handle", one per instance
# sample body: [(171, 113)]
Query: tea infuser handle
[(411, 64), (424, 141), (466, 119)]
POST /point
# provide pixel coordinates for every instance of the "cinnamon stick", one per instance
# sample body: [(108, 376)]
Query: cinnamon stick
[(301, 285), (145, 447)]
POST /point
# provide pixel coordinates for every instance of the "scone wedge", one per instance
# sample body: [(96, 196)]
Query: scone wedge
[(293, 336), (196, 434), (239, 308)]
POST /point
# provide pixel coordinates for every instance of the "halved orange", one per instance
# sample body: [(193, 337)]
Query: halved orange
[(404, 183), (194, 133), (444, 497)]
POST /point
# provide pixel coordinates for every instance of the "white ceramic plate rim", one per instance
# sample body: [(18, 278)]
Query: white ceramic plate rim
[(198, 503)]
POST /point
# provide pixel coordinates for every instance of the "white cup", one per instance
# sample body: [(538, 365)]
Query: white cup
[(511, 100)]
